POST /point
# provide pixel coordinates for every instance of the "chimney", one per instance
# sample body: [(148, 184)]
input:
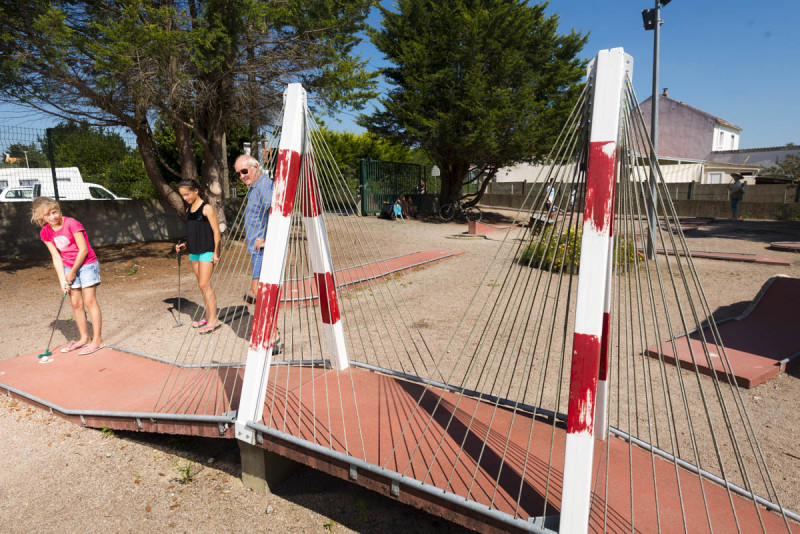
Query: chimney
[(665, 94)]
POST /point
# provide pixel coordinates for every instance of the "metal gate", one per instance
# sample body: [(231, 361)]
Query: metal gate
[(383, 181)]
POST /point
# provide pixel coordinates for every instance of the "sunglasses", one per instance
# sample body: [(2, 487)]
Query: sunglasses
[(244, 171)]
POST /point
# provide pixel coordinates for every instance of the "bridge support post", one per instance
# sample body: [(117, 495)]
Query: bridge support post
[(294, 158), (262, 470), (609, 70)]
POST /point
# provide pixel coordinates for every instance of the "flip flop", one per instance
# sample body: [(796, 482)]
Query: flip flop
[(73, 345), (89, 350), (198, 324), (210, 329)]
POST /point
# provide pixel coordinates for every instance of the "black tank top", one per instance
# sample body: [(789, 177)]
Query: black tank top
[(199, 237)]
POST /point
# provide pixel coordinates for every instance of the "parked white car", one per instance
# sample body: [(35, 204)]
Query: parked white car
[(16, 194), (82, 191)]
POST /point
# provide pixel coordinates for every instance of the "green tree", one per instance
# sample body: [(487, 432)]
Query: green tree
[(29, 156), (788, 167), (197, 65), (93, 150), (478, 84), (347, 149)]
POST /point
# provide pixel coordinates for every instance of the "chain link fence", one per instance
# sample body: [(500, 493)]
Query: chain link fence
[(71, 161)]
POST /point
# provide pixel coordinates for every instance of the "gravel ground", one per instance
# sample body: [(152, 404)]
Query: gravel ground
[(57, 477)]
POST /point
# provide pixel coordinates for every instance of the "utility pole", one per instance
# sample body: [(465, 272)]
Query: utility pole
[(652, 21)]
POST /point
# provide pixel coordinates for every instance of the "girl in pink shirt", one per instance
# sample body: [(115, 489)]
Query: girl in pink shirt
[(77, 268)]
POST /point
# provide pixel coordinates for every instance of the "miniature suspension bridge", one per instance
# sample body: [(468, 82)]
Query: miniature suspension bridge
[(544, 412)]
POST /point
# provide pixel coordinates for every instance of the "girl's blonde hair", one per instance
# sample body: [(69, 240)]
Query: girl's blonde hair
[(41, 207)]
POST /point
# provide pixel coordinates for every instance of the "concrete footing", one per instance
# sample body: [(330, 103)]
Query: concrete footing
[(263, 470)]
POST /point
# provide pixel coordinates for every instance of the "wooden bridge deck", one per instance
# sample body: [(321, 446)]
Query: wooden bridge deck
[(359, 414)]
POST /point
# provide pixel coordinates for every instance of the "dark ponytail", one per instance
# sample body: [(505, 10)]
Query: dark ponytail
[(193, 185)]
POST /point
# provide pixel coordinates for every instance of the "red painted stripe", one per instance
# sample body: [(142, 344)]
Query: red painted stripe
[(285, 186), (603, 372), (329, 306), (310, 203), (600, 180), (583, 383), (265, 314)]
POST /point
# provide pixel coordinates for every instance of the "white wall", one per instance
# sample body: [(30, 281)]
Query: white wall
[(725, 138)]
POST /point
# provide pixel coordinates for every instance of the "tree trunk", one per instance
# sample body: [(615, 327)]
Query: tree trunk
[(452, 179), (147, 151), (212, 171), (185, 146)]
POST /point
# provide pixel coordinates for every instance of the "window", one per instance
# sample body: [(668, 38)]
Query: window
[(99, 193), (721, 145), (28, 183), (3, 184)]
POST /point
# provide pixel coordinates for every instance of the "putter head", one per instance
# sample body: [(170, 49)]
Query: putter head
[(177, 325), (45, 354)]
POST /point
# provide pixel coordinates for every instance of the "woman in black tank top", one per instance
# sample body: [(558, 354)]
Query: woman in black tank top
[(202, 243)]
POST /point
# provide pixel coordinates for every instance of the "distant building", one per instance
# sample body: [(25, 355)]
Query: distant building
[(687, 132), (693, 146)]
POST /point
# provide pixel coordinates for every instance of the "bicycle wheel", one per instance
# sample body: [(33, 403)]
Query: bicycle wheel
[(473, 214), (446, 212)]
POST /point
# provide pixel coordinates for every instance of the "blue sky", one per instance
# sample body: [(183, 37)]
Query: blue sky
[(735, 59)]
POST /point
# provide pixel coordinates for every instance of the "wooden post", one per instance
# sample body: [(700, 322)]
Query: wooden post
[(270, 280), (609, 69)]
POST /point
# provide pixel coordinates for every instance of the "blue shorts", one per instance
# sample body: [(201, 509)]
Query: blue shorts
[(88, 275), (207, 257), (735, 203), (255, 262)]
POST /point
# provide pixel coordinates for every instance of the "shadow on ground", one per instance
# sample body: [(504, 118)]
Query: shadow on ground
[(345, 503), (757, 231)]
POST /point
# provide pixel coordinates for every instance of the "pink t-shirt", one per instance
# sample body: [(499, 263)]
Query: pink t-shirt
[(64, 241)]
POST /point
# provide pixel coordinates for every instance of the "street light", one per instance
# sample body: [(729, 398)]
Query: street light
[(652, 21)]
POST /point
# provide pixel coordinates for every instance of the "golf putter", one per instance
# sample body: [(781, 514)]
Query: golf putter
[(179, 323), (45, 356)]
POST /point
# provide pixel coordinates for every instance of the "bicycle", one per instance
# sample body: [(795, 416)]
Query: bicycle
[(456, 208)]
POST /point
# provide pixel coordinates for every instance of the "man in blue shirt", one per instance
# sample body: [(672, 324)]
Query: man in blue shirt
[(256, 214)]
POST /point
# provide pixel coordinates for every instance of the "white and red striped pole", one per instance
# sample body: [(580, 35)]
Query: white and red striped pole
[(609, 71), (601, 403), (270, 280), (319, 250)]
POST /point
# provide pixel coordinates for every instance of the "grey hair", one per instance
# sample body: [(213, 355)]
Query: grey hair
[(251, 161)]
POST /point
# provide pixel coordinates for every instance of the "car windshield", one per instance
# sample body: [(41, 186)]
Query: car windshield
[(97, 192)]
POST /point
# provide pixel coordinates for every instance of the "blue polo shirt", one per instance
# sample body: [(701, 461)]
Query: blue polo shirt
[(256, 214)]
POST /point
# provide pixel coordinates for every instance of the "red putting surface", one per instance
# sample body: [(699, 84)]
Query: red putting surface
[(792, 246), (319, 406), (758, 345), (479, 228), (299, 291), (731, 256)]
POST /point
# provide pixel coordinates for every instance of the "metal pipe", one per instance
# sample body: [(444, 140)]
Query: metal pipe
[(437, 493), (705, 474), (651, 201), (127, 415)]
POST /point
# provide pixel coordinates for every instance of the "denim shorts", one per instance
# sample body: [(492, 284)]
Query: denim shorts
[(258, 255), (207, 257), (88, 275)]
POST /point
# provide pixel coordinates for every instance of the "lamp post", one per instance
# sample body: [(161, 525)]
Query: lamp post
[(652, 21)]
